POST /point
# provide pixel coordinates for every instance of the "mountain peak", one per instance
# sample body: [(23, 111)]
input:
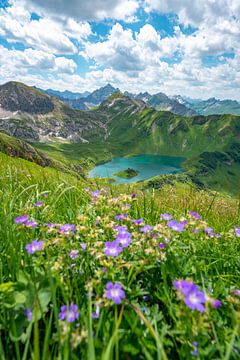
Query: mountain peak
[(16, 96)]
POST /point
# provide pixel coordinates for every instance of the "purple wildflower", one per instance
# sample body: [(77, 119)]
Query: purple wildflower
[(237, 231), (31, 224), (146, 229), (133, 195), (38, 204), (195, 231), (124, 238), (120, 228), (166, 216), (176, 226), (112, 248), (120, 217), (95, 194), (45, 194), (69, 314), (34, 246), (162, 245), (138, 221), (195, 215), (51, 225), (193, 297), (195, 351), (67, 228), (210, 232), (236, 292), (28, 314), (21, 219), (195, 300), (216, 304), (83, 246), (96, 314), (73, 254), (114, 292)]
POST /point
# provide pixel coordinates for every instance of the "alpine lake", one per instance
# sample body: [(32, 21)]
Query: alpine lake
[(145, 167)]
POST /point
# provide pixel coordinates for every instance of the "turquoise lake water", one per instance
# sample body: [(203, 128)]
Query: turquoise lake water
[(147, 165)]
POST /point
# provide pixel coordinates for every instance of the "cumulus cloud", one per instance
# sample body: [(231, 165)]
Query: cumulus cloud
[(90, 9), (140, 60), (45, 34), (196, 12), (15, 62)]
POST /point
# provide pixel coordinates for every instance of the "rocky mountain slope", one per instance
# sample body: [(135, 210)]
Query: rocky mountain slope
[(28, 114), (93, 99), (16, 96)]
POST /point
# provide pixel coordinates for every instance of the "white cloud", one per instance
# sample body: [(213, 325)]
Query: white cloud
[(47, 34), (90, 9), (133, 61), (22, 62), (196, 12)]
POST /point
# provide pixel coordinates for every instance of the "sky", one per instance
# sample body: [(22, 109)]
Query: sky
[(182, 47)]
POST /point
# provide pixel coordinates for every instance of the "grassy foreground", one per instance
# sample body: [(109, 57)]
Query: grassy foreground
[(66, 296)]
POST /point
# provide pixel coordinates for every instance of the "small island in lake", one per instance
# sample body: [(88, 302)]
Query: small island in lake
[(127, 174)]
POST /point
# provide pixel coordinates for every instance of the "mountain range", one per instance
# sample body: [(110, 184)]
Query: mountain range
[(120, 126), (177, 104)]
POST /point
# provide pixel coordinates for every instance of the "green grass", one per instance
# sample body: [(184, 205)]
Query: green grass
[(151, 322)]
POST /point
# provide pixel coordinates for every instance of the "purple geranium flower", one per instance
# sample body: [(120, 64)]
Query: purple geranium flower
[(195, 351), (166, 216), (195, 300), (161, 245), (28, 314), (124, 238), (193, 297), (51, 225), (73, 254), (34, 246), (195, 231), (38, 204), (96, 314), (69, 314), (21, 219), (237, 231), (112, 248), (31, 224), (95, 194), (45, 194), (138, 221), (114, 292), (216, 304), (210, 232), (120, 217), (67, 228), (83, 246), (176, 226), (195, 215), (146, 229)]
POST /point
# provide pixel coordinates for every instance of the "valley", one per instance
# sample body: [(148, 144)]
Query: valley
[(123, 126)]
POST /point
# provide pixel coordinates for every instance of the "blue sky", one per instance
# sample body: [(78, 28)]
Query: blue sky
[(184, 47)]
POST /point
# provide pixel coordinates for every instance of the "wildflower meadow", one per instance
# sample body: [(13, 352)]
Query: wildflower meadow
[(91, 271)]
